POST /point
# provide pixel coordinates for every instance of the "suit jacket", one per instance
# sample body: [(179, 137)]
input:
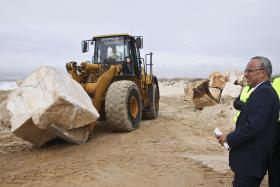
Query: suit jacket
[(255, 134)]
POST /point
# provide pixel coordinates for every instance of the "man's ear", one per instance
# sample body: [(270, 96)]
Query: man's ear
[(264, 74)]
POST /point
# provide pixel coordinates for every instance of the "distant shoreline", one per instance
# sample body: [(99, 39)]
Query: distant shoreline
[(9, 80), (7, 85)]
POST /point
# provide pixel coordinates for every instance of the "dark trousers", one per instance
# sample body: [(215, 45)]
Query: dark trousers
[(245, 181), (274, 180), (274, 170)]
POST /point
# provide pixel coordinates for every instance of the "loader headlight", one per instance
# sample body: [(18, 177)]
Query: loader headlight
[(127, 59)]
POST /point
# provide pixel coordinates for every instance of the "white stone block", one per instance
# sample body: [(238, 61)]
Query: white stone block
[(231, 90), (48, 97)]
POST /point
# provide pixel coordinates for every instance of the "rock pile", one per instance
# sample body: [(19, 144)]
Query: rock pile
[(218, 86)]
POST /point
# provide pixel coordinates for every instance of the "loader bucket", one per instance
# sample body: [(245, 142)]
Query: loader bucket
[(202, 96)]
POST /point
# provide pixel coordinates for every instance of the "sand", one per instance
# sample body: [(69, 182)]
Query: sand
[(176, 149)]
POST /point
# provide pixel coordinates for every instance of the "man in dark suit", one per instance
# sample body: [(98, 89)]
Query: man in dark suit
[(252, 141)]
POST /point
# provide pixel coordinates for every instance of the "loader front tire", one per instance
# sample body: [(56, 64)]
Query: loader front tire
[(123, 108)]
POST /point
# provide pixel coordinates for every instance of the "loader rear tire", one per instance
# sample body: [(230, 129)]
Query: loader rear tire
[(123, 108), (151, 112)]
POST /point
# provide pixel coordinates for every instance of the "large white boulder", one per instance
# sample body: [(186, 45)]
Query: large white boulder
[(47, 104), (231, 90)]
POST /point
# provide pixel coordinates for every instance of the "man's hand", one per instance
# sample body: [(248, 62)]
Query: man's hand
[(221, 139)]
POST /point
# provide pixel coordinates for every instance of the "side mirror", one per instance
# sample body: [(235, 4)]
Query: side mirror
[(85, 46), (139, 43)]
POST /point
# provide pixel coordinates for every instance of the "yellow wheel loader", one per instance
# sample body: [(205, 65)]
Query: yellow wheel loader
[(120, 83)]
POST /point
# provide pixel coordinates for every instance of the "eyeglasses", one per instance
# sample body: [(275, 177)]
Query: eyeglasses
[(252, 70)]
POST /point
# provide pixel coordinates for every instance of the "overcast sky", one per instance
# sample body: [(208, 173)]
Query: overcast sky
[(189, 38)]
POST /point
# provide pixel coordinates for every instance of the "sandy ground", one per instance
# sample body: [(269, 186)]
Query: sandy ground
[(176, 149)]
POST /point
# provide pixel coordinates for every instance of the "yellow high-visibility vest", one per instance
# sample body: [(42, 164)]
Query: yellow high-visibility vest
[(244, 95), (276, 86)]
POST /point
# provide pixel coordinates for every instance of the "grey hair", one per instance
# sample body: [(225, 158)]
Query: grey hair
[(265, 64)]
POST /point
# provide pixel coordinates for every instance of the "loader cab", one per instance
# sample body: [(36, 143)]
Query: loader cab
[(110, 50), (117, 50)]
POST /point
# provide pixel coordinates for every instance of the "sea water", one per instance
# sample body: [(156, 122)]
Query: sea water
[(8, 85)]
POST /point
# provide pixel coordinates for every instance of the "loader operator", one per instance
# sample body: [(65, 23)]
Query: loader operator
[(114, 54)]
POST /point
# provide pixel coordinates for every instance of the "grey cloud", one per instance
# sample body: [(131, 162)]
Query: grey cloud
[(184, 35)]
